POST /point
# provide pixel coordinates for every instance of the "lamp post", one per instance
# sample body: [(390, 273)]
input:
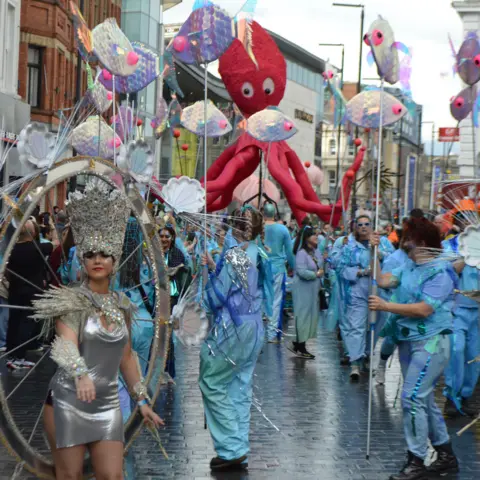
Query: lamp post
[(337, 175), (359, 85), (431, 161)]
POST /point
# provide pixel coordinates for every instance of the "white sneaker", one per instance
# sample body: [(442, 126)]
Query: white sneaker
[(3, 349), (355, 373), (26, 363)]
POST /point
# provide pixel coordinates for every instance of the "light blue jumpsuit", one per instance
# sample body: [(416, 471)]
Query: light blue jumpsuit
[(424, 349), (461, 377), (356, 256), (336, 311), (277, 239), (229, 354), (141, 334)]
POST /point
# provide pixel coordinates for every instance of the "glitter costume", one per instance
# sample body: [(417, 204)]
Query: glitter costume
[(100, 321), (229, 355)]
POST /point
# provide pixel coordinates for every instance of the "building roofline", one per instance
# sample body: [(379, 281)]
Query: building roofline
[(168, 4), (215, 84)]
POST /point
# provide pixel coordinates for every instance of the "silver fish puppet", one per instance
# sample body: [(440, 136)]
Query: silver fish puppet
[(193, 119), (364, 109), (270, 125)]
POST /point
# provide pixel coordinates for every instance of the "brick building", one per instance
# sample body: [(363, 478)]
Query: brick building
[(48, 58)]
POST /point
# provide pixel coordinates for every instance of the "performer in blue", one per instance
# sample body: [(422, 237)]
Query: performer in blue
[(277, 239), (421, 324), (135, 278), (228, 357), (354, 270), (461, 376)]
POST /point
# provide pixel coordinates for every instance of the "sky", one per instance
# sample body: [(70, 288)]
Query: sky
[(422, 25)]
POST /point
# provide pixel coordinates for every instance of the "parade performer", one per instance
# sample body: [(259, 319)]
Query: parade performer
[(277, 239), (354, 269), (93, 326), (228, 357), (421, 323), (461, 376), (135, 281), (306, 289)]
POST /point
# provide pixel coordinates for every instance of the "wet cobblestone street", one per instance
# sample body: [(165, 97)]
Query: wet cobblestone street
[(308, 422)]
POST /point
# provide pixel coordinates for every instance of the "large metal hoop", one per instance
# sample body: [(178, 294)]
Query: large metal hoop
[(10, 435)]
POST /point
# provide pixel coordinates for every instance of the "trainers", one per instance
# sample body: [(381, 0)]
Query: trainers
[(26, 363), (306, 355), (355, 373), (380, 373), (3, 349), (293, 348), (345, 361), (15, 364)]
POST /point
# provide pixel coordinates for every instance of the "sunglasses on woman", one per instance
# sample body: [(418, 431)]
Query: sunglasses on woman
[(363, 224)]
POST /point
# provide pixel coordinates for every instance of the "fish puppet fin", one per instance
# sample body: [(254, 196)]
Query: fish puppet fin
[(475, 110), (370, 58)]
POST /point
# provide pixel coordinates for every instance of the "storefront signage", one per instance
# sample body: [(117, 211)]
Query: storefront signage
[(301, 115), (448, 134), (8, 136)]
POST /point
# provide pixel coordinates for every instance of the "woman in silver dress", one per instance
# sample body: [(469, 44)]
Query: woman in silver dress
[(92, 344)]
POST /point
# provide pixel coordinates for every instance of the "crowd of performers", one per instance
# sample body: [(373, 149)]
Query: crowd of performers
[(254, 261)]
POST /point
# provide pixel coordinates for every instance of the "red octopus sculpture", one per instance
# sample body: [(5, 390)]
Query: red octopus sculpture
[(254, 84)]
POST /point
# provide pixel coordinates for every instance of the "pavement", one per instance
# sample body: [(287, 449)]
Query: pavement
[(308, 422)]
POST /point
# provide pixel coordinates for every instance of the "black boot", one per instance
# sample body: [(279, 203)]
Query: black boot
[(218, 463), (446, 461), (450, 409), (304, 353), (468, 409), (414, 469)]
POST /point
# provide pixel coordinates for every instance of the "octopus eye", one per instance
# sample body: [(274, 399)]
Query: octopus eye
[(247, 90), (268, 86)]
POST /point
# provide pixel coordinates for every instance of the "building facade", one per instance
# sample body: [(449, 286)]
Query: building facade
[(14, 113), (48, 57)]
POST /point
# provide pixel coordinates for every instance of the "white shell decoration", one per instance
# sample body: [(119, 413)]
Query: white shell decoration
[(136, 158), (192, 322), (184, 195), (36, 145), (469, 245)]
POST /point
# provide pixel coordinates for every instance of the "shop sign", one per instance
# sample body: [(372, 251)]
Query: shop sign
[(301, 115)]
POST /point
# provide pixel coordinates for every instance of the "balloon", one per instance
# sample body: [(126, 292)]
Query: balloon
[(251, 186)]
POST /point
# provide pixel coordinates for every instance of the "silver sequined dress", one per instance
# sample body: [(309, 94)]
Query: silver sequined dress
[(78, 422)]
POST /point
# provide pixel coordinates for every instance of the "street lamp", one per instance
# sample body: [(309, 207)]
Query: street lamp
[(359, 86), (339, 126), (431, 161)]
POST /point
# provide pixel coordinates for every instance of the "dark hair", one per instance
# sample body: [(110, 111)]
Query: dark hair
[(421, 230), (306, 222), (45, 230), (191, 237), (417, 213), (68, 242), (172, 233), (301, 241)]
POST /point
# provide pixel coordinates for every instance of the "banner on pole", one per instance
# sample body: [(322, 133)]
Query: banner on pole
[(448, 134)]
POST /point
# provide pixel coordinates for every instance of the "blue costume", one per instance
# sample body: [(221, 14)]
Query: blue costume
[(356, 256), (335, 313), (461, 377), (277, 239), (424, 348), (229, 354)]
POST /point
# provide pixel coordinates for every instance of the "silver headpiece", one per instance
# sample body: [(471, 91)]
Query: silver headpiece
[(98, 218)]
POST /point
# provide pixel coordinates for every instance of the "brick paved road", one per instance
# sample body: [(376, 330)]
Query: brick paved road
[(320, 416)]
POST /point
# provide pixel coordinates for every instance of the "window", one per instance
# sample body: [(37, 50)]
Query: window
[(332, 146), (9, 52), (351, 149), (332, 185), (34, 76)]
